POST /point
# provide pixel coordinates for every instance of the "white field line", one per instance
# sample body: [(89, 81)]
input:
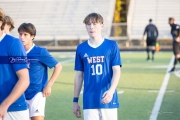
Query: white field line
[(118, 92), (66, 61), (160, 96), (158, 91)]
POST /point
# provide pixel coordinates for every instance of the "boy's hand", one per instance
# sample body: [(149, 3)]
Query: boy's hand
[(107, 97), (47, 91), (3, 111), (76, 110)]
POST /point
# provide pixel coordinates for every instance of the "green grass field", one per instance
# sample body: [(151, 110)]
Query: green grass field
[(139, 83)]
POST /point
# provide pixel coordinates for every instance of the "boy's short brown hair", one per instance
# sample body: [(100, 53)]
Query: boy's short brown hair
[(171, 18), (10, 22), (94, 17), (27, 27), (2, 15)]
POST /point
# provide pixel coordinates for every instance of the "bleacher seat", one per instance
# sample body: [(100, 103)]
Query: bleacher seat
[(58, 17)]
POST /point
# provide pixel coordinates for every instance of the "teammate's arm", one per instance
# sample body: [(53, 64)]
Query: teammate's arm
[(55, 74), (178, 34), (78, 81), (107, 96), (18, 90)]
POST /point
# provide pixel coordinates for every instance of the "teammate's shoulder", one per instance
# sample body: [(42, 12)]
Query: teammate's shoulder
[(154, 25), (177, 26), (174, 25), (109, 41), (10, 37), (9, 40), (39, 49), (151, 25)]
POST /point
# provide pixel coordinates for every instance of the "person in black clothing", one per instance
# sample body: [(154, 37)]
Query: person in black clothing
[(152, 34), (175, 32)]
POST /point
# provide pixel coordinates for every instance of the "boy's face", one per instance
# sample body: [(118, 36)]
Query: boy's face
[(94, 28), (171, 21), (25, 37)]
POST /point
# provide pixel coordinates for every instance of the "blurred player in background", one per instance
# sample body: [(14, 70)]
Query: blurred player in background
[(152, 34), (40, 87), (97, 63), (175, 32), (14, 77), (9, 26)]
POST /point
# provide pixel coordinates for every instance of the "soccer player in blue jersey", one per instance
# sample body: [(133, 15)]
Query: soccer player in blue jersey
[(40, 87), (14, 77), (97, 63)]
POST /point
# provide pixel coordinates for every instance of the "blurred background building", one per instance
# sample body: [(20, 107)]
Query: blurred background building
[(59, 23)]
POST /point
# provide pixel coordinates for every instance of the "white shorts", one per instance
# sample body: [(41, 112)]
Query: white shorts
[(18, 115), (100, 114), (36, 105)]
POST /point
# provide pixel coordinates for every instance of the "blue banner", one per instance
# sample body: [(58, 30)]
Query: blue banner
[(18, 59)]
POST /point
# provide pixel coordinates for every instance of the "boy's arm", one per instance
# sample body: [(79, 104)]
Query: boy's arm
[(178, 32), (78, 81), (107, 96), (55, 74), (18, 90)]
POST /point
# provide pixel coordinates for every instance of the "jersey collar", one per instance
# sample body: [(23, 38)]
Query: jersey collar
[(1, 38), (30, 49), (93, 46)]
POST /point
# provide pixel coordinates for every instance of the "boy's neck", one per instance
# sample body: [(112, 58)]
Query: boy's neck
[(28, 46), (95, 41), (6, 31)]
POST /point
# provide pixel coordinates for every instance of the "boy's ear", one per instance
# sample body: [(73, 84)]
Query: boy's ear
[(102, 25), (1, 23), (32, 37), (9, 26)]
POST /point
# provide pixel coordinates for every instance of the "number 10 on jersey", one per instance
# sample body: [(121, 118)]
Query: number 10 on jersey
[(96, 69)]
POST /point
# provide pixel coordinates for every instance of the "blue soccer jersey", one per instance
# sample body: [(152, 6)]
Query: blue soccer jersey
[(11, 47), (39, 59), (97, 63)]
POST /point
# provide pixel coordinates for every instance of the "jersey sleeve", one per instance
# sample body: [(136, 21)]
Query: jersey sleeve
[(116, 58), (17, 50), (47, 59), (78, 61)]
